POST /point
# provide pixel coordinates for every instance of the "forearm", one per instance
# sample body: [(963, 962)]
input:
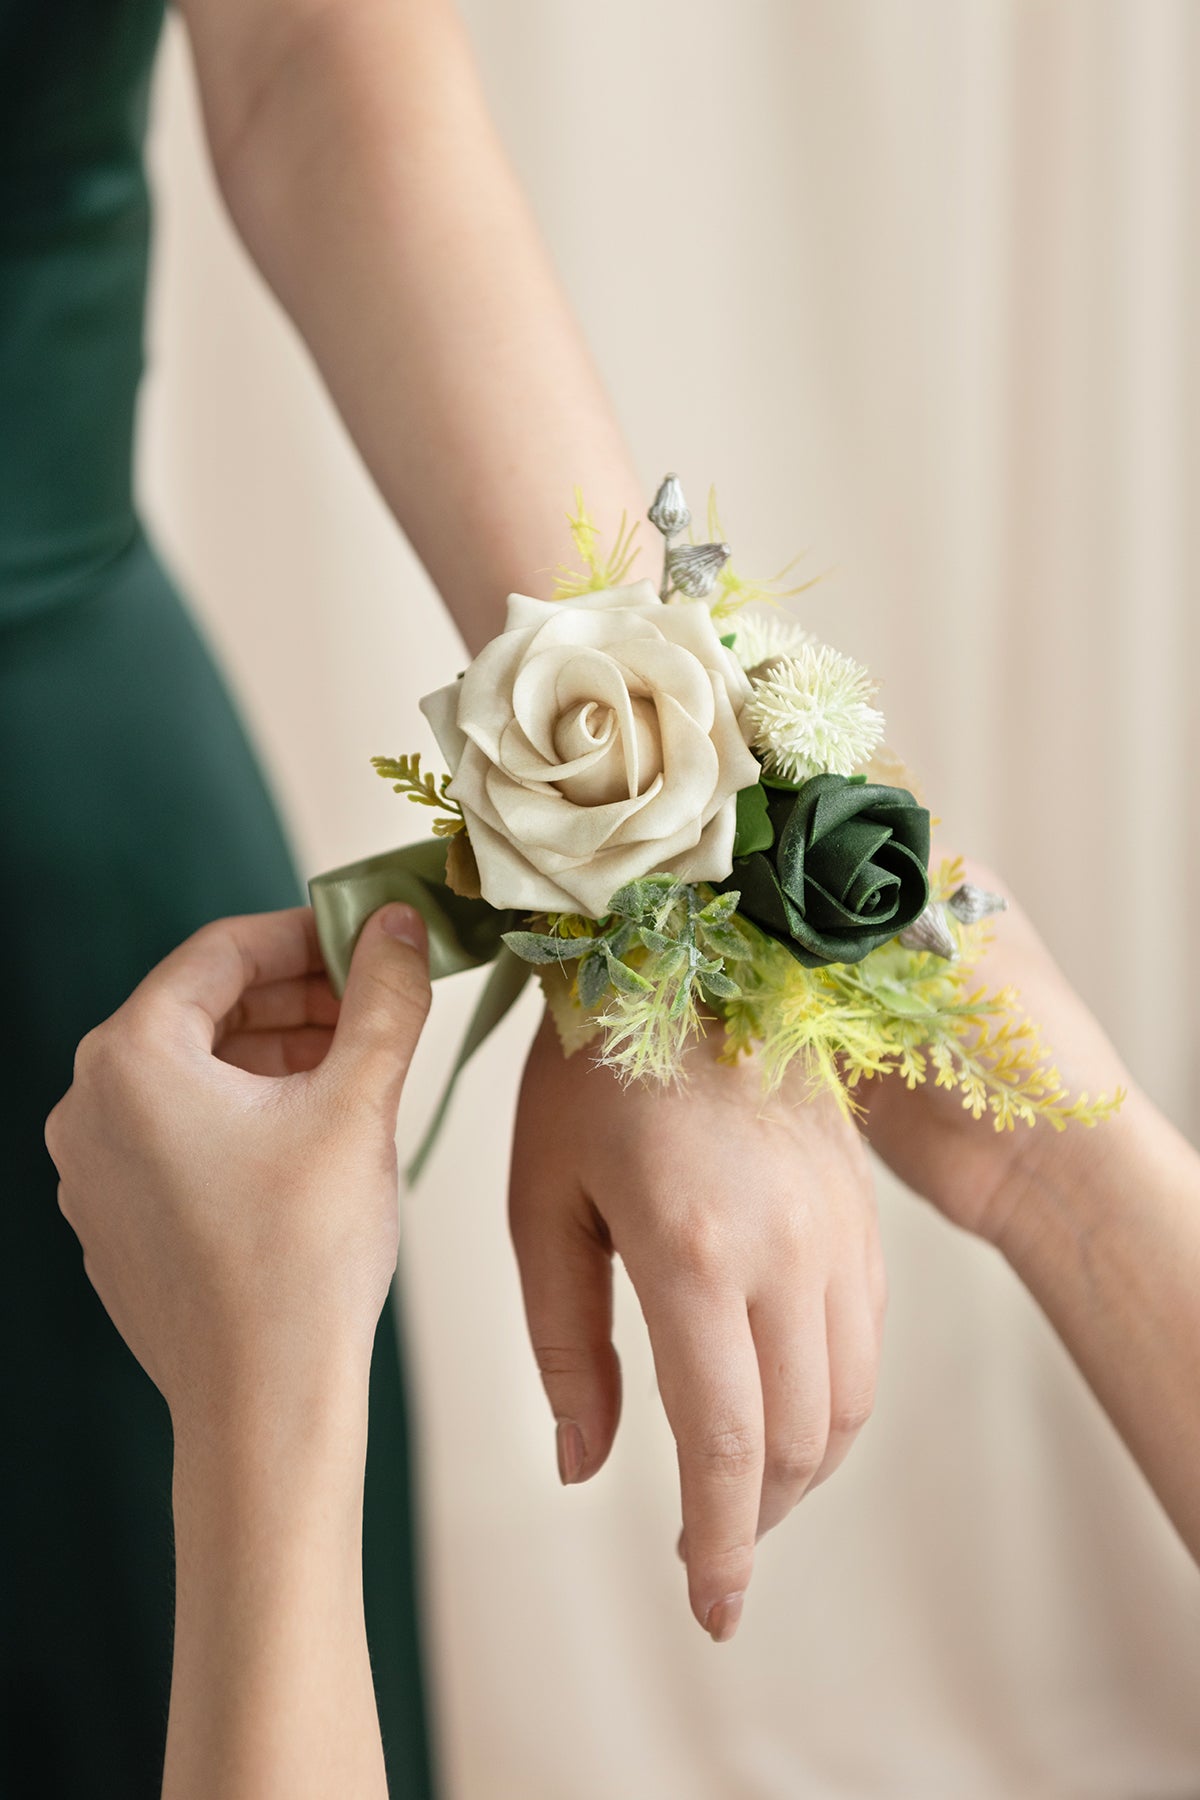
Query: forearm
[(1107, 1239), (271, 1695), (364, 174)]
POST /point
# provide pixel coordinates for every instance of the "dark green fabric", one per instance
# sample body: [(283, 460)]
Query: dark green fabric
[(847, 870), (131, 811)]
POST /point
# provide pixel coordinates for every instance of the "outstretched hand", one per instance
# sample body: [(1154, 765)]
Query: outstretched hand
[(748, 1229)]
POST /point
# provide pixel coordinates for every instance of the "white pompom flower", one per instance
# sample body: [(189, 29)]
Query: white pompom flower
[(810, 714), (762, 636)]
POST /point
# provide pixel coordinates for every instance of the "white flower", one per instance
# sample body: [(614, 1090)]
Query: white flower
[(596, 740), (811, 714), (762, 636)]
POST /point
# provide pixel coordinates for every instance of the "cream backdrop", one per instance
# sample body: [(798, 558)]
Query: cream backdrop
[(916, 284)]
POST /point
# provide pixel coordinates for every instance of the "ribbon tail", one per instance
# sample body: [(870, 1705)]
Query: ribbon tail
[(501, 990)]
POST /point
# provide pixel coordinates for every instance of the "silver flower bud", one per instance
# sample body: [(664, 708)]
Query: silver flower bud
[(931, 932), (693, 568), (969, 903), (669, 511)]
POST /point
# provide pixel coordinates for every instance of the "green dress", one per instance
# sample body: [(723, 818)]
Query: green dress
[(131, 811)]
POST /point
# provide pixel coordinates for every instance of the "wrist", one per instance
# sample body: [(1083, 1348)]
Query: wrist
[(254, 1440), (1066, 1189)]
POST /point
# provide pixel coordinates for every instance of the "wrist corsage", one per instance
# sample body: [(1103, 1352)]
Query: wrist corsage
[(676, 806)]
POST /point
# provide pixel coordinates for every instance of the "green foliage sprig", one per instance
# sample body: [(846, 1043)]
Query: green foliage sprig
[(735, 590), (404, 773), (907, 1013), (600, 570), (645, 977), (658, 954)]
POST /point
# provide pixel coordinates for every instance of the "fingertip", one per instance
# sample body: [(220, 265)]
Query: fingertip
[(722, 1619), (405, 924), (585, 1437), (572, 1452)]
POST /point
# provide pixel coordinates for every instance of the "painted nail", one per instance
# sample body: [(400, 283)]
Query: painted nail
[(570, 1452), (721, 1620), (405, 924)]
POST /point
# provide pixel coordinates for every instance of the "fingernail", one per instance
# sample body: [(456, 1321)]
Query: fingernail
[(721, 1620), (404, 923), (570, 1452), (681, 1547)]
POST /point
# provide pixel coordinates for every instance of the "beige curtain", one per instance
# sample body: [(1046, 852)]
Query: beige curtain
[(915, 284)]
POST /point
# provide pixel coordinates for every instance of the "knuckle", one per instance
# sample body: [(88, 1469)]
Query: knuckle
[(89, 1052), (562, 1359), (719, 1568), (851, 1411), (405, 988), (53, 1130), (132, 1033), (795, 1461), (730, 1453), (698, 1247)]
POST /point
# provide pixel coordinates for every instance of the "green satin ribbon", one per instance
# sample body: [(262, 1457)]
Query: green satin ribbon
[(463, 934)]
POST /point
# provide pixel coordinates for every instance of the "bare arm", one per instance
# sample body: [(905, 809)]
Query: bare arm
[(227, 1158), (357, 158), (1102, 1226), (1106, 1236), (271, 1689)]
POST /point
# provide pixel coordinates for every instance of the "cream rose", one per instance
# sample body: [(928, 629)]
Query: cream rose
[(596, 740)]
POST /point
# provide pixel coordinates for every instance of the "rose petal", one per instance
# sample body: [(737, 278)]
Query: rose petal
[(739, 766), (441, 709), (485, 696), (661, 666), (542, 822), (691, 626), (507, 879), (621, 767), (690, 773), (634, 594), (527, 614), (520, 759), (712, 857)]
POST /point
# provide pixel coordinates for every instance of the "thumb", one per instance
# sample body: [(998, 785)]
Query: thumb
[(384, 1007)]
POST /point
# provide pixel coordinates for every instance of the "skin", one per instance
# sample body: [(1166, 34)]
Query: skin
[(354, 151), (357, 159), (213, 1117), (227, 1159), (758, 1268), (1102, 1226)]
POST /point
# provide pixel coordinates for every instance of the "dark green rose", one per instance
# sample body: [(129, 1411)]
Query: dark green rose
[(846, 870)]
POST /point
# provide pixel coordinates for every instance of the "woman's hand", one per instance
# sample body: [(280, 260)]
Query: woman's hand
[(974, 1175), (748, 1229), (226, 1154), (227, 1160)]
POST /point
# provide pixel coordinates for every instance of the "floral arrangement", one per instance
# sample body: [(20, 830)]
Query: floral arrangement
[(677, 806)]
